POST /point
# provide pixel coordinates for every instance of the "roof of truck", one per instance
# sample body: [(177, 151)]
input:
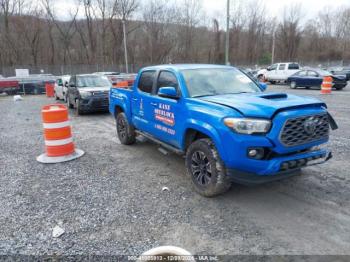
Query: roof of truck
[(185, 66)]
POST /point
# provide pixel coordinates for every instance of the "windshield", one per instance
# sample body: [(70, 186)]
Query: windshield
[(92, 81), (323, 72), (218, 81)]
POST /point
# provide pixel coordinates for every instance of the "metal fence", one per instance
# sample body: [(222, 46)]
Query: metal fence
[(68, 69), (133, 68)]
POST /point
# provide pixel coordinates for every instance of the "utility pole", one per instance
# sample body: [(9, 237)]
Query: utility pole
[(227, 44), (125, 48), (273, 47)]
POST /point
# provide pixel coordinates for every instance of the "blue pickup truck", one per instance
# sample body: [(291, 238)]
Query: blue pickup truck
[(224, 124)]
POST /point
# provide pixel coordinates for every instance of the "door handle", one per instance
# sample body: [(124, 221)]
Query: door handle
[(153, 104)]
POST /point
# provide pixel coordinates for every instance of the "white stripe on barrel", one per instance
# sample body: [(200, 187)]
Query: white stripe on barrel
[(60, 142), (56, 125)]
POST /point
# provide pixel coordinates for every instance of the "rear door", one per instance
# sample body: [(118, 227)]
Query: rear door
[(281, 72), (142, 110)]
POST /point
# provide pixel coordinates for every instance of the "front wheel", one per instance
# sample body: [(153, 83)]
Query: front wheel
[(69, 104), (207, 171), (78, 108), (125, 131)]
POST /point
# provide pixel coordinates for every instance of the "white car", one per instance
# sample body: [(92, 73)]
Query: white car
[(279, 72), (61, 86)]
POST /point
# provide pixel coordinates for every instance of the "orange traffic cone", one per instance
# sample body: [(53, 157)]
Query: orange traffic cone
[(326, 87), (58, 135)]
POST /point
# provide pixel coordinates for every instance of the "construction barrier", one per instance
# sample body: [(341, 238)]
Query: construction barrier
[(50, 88), (122, 84), (326, 86), (58, 135)]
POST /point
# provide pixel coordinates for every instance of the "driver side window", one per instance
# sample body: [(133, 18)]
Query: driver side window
[(167, 79)]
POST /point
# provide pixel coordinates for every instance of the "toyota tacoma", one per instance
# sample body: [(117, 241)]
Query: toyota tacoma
[(222, 121)]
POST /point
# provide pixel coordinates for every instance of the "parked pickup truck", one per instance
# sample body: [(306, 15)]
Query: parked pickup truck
[(278, 72), (228, 129)]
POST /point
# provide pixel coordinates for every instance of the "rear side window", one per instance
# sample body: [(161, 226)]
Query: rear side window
[(166, 79), (293, 66), (312, 73), (282, 67), (302, 73), (146, 81)]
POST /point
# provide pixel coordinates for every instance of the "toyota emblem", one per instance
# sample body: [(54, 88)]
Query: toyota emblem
[(310, 125)]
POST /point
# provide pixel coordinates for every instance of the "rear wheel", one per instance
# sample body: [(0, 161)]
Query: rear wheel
[(125, 131), (206, 169), (293, 85)]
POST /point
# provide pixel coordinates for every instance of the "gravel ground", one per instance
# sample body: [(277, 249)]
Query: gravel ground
[(110, 201)]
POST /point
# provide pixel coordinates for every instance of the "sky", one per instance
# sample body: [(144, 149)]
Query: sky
[(217, 8)]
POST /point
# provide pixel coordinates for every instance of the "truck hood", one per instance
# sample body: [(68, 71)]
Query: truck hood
[(94, 89), (262, 105)]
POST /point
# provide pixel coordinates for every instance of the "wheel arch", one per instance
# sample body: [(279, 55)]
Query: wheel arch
[(197, 130)]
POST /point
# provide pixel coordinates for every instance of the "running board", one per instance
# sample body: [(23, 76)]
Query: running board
[(160, 143)]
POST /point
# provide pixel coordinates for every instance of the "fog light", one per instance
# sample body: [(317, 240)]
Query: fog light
[(256, 153), (292, 164), (252, 152), (284, 166)]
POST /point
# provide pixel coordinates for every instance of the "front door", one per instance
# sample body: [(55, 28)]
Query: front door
[(167, 111)]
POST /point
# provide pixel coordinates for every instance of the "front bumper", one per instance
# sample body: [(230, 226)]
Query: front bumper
[(94, 103), (280, 167)]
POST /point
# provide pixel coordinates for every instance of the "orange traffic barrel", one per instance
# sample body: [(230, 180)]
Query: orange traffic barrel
[(59, 146), (50, 88), (122, 84), (326, 86)]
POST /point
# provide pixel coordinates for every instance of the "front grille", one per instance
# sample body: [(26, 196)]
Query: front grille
[(305, 129), (102, 102)]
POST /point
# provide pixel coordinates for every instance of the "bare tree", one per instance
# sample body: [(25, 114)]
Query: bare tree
[(289, 32), (65, 29)]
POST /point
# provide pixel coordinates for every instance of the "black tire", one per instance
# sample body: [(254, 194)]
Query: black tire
[(207, 171), (69, 103), (126, 132), (78, 108), (272, 82), (293, 85)]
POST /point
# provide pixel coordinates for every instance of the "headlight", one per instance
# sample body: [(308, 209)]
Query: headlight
[(85, 94), (248, 125)]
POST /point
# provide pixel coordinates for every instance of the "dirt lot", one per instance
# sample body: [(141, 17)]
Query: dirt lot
[(110, 201)]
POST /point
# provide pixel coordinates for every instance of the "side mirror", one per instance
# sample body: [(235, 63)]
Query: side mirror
[(268, 69), (168, 92), (263, 86)]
